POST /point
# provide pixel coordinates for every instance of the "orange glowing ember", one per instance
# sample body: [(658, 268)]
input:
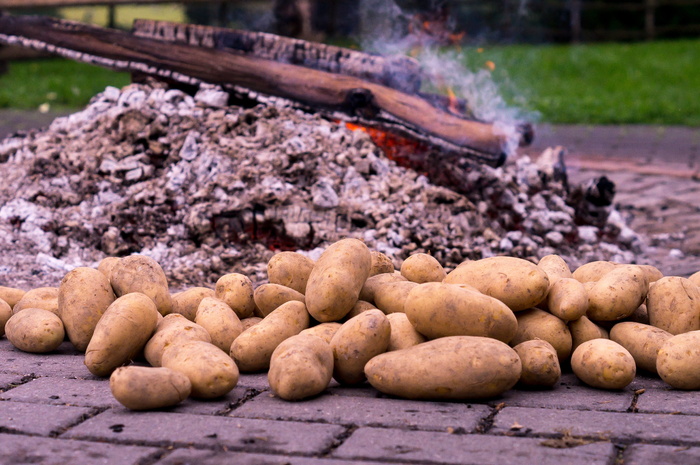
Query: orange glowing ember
[(402, 150), (453, 106)]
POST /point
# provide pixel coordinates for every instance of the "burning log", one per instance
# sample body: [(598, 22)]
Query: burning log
[(337, 96)]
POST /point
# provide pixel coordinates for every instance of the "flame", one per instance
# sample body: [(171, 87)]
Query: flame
[(453, 106), (404, 151)]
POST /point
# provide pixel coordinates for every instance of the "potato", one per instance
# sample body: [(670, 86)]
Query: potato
[(106, 266), (270, 296), (45, 298), (678, 360), (325, 331), (641, 315), (583, 330), (336, 280), (374, 282), (673, 304), (290, 269), (147, 388), (380, 264), (652, 273), (439, 310), (593, 271), (604, 364), (121, 333), (138, 273), (538, 324), (455, 367), (35, 330), (423, 268), (539, 362), (391, 297), (403, 333), (5, 314), (555, 267), (567, 299), (237, 291), (617, 294), (250, 321), (253, 349), (11, 295), (83, 296), (172, 329), (514, 281), (300, 367), (356, 342), (641, 341), (220, 321), (695, 278), (359, 307), (210, 370), (186, 303)]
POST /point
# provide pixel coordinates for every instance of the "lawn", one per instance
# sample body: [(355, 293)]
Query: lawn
[(639, 83)]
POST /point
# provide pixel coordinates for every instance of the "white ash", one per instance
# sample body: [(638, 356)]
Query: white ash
[(207, 189)]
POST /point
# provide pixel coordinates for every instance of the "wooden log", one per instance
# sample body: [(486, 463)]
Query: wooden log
[(398, 72), (339, 94)]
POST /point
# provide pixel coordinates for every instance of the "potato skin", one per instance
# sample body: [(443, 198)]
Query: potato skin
[(380, 264), (147, 388), (253, 349), (403, 333), (356, 342), (555, 267), (455, 367), (210, 370), (186, 303), (359, 307), (603, 364), (250, 322), (391, 297), (593, 271), (45, 298), (567, 299), (106, 266), (337, 279), (290, 269), (11, 295), (652, 273), (583, 330), (219, 321), (617, 294), (35, 330), (514, 281), (673, 304), (439, 310), (325, 331), (121, 333), (538, 324), (678, 360), (5, 314), (172, 329), (237, 291), (539, 362), (695, 278), (423, 268), (374, 282), (270, 296), (641, 341), (138, 273), (83, 297), (300, 367)]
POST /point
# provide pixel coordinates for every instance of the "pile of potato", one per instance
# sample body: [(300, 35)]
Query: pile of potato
[(417, 333)]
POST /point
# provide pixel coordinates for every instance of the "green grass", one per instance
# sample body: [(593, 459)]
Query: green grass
[(638, 83)]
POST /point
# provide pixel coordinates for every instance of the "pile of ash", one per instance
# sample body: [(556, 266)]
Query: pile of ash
[(207, 188)]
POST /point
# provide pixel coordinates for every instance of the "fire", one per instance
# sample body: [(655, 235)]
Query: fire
[(453, 106), (403, 150)]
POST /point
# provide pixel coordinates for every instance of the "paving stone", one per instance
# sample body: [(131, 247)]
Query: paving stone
[(644, 454), (64, 362), (254, 380), (367, 411), (647, 382), (669, 401), (210, 406), (156, 428), (9, 380), (213, 457), (603, 425), (569, 397), (432, 447), (16, 449), (38, 419), (61, 391), (362, 390)]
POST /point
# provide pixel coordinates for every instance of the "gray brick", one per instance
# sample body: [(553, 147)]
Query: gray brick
[(16, 449), (61, 391), (65, 362), (213, 457), (647, 382), (207, 431), (362, 390), (367, 411), (569, 397), (431, 447), (669, 401), (210, 406), (8, 380), (255, 381), (643, 454), (603, 425), (38, 419)]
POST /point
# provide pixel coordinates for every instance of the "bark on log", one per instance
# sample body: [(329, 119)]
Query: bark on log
[(367, 102)]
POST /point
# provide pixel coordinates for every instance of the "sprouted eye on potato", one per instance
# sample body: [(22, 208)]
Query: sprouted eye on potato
[(421, 333)]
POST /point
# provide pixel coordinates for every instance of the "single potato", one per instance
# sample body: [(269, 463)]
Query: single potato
[(538, 324), (593, 271), (290, 269), (695, 278), (269, 297), (604, 364), (35, 330), (106, 266), (45, 298), (567, 299), (250, 321), (237, 291), (539, 362), (138, 273), (11, 295), (391, 297), (148, 388), (516, 282), (678, 360), (210, 370), (380, 264), (555, 267), (171, 330), (359, 307), (356, 342), (5, 314), (583, 330), (219, 321), (455, 367), (403, 333), (423, 268), (617, 294), (641, 341), (673, 304), (300, 367), (374, 282), (186, 303), (325, 331)]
